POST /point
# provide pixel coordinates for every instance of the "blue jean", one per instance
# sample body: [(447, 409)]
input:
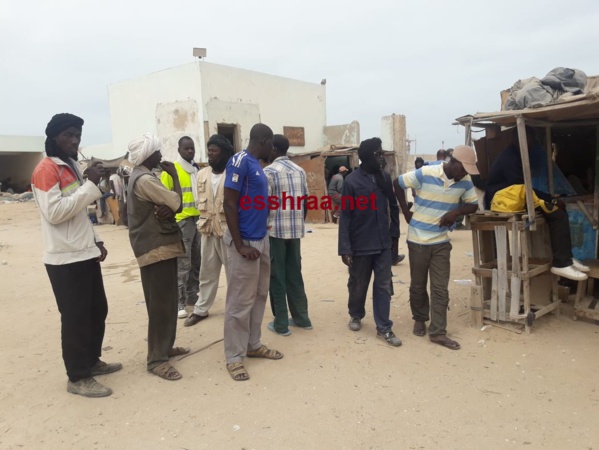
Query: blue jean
[(105, 195), (360, 273)]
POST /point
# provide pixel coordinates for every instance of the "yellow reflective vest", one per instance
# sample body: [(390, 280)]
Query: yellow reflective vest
[(189, 204)]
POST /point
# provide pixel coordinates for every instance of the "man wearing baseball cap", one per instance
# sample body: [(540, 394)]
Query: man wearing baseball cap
[(443, 193)]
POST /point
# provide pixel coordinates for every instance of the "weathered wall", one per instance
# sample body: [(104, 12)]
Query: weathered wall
[(348, 134), (167, 103), (243, 97), (393, 135)]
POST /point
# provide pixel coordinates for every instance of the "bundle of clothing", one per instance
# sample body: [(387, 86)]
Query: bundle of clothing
[(559, 83)]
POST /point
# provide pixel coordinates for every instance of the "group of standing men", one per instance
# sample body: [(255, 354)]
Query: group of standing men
[(183, 228)]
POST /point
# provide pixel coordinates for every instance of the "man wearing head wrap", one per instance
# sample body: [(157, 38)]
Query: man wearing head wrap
[(211, 225), (188, 266), (366, 236), (73, 253), (443, 192), (156, 241)]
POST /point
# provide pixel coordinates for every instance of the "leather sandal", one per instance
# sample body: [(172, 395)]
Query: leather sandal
[(445, 342), (237, 371), (265, 352), (419, 328), (166, 372)]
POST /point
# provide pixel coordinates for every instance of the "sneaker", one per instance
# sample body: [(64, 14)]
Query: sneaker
[(580, 266), (271, 327), (88, 387), (355, 324), (569, 272), (102, 368), (182, 314), (193, 319), (390, 338), (292, 324)]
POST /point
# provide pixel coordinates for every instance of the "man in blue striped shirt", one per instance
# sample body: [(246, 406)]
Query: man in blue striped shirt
[(286, 180), (443, 192)]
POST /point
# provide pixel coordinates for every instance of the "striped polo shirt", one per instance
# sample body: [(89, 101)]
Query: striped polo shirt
[(435, 196)]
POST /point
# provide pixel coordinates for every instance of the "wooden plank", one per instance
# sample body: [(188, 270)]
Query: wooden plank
[(530, 205), (524, 248), (516, 281), (494, 296), (549, 158), (531, 273), (476, 305), (501, 239), (596, 193)]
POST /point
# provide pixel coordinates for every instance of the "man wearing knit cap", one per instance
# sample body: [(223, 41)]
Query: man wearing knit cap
[(156, 241), (366, 236), (73, 253), (443, 192)]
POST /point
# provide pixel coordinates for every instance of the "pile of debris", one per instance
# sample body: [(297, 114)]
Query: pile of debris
[(5, 197)]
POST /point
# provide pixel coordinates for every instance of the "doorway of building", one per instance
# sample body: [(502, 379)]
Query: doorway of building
[(231, 132)]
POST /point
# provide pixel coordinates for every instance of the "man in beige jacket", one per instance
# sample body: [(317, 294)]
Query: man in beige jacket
[(211, 225)]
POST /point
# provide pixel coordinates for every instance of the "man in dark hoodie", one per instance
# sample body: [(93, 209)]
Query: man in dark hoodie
[(365, 238)]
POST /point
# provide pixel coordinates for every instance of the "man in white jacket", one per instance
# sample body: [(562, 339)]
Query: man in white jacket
[(73, 254)]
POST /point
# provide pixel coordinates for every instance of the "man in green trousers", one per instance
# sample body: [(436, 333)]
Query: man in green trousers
[(287, 182)]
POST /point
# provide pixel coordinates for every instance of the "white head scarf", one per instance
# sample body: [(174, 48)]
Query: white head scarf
[(142, 148)]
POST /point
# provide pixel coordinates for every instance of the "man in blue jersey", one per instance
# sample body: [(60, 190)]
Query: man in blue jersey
[(248, 253), (443, 192)]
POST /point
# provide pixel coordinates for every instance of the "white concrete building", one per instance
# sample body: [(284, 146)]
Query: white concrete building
[(18, 157), (201, 99)]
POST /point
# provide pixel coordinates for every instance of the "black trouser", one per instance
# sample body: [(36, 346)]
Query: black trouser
[(559, 234), (79, 292), (360, 273), (159, 283)]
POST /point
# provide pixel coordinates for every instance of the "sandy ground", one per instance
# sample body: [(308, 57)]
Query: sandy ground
[(334, 388)]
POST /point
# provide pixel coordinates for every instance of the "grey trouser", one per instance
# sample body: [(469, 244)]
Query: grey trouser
[(159, 282), (433, 260), (214, 256), (188, 266), (247, 290)]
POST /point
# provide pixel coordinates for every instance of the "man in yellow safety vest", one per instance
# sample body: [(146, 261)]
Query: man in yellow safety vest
[(188, 266)]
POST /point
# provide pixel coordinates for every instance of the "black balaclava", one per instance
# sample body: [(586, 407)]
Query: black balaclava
[(57, 125), (226, 151), (370, 165)]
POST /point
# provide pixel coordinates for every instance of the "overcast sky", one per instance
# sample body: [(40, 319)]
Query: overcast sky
[(430, 60)]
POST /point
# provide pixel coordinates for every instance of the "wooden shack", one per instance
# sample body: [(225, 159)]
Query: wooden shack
[(512, 254)]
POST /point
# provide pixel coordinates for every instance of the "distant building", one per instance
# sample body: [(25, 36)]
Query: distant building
[(18, 157), (200, 99)]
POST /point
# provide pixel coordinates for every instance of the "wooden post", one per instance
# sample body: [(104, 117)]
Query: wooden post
[(494, 295), (516, 275), (501, 239), (596, 200), (468, 134), (530, 204), (549, 159)]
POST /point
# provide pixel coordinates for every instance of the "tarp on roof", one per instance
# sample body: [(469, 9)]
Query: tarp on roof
[(572, 109)]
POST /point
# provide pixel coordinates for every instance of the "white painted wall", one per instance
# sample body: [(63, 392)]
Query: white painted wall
[(167, 103), (22, 144), (178, 101), (101, 151), (244, 97)]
